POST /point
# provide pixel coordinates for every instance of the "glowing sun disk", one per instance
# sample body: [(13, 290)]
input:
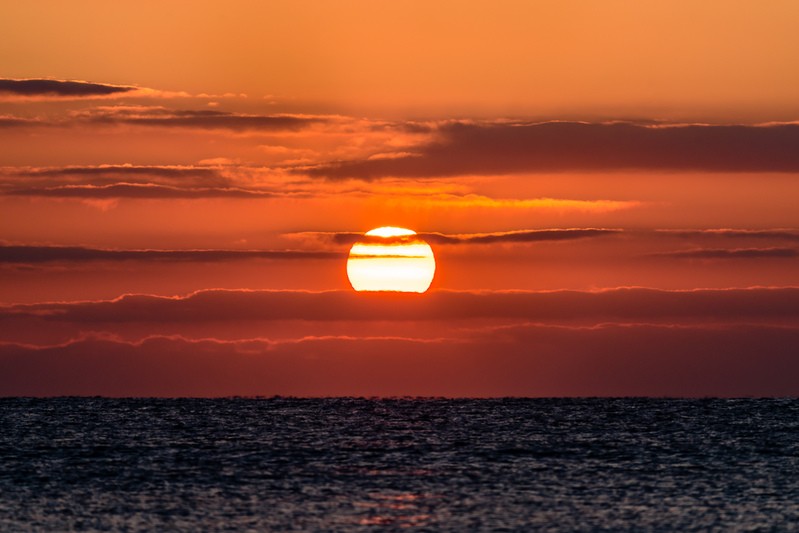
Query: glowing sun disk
[(393, 265)]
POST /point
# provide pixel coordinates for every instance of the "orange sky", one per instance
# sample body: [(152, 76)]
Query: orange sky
[(717, 59), (170, 151)]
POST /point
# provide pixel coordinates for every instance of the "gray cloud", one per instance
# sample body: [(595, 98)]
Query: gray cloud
[(504, 148), (138, 190), (736, 253), (59, 88), (50, 181), (63, 254), (200, 119), (16, 122), (521, 236), (769, 234), (518, 236), (115, 170)]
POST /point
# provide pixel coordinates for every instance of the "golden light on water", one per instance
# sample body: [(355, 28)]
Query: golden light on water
[(391, 259)]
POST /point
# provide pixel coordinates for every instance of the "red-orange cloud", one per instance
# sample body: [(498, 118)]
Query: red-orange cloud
[(640, 360), (627, 305)]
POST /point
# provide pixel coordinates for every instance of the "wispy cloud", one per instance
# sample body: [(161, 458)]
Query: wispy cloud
[(59, 88), (633, 304), (758, 234), (138, 190), (31, 178), (518, 236), (733, 253), (171, 171), (55, 89), (72, 254), (197, 119), (161, 117), (9, 122)]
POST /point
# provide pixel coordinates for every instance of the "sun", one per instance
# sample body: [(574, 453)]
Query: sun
[(391, 259)]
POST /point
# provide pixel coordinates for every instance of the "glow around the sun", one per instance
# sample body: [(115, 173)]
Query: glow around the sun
[(390, 231), (391, 259)]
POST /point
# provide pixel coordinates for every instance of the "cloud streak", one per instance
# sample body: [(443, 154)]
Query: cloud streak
[(9, 122), (140, 191), (628, 304), (59, 88), (518, 236), (469, 148), (769, 234), (737, 253), (71, 254), (197, 119), (133, 181), (165, 171)]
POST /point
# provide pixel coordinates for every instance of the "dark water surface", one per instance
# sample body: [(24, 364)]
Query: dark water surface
[(357, 464)]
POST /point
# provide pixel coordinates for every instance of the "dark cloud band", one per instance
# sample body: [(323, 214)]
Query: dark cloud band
[(201, 119), (738, 253), (45, 87), (641, 360), (505, 148), (71, 254), (520, 236), (597, 307), (137, 190), (115, 170)]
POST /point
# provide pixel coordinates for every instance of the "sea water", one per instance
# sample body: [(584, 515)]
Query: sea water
[(278, 464)]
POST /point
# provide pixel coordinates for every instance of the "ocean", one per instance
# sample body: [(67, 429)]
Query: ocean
[(346, 464)]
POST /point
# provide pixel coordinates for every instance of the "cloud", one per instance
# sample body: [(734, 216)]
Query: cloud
[(736, 253), (641, 342), (521, 236), (29, 179), (59, 88), (160, 117), (517, 236), (45, 89), (138, 190), (475, 148), (768, 234), (616, 305), (170, 171), (142, 181), (528, 360), (9, 122), (70, 254), (198, 119)]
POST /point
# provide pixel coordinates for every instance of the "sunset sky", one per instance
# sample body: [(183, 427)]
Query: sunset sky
[(610, 189)]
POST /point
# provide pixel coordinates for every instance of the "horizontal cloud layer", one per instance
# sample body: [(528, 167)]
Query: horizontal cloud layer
[(159, 117), (197, 119), (518, 236), (62, 254), (529, 360), (759, 234), (736, 253), (138, 190), (18, 122), (503, 148), (633, 304), (624, 342), (59, 88), (164, 171)]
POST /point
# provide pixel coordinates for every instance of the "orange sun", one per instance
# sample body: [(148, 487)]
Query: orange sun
[(391, 259)]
